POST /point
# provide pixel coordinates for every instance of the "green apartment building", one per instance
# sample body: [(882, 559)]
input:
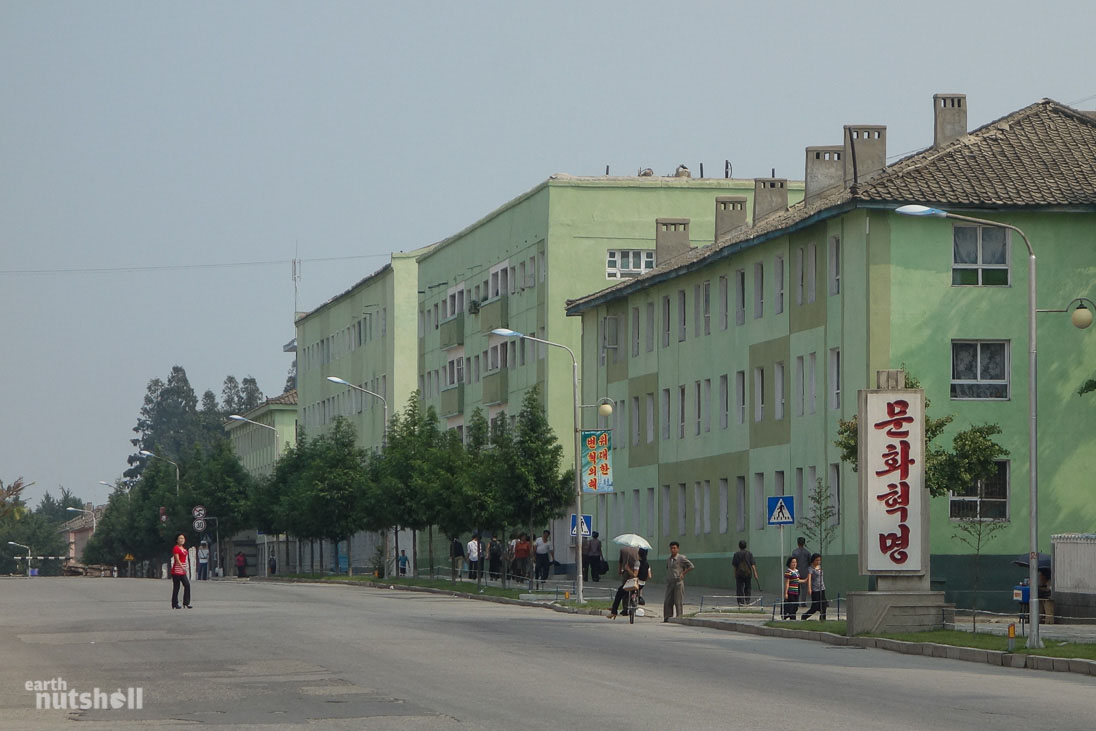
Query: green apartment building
[(735, 362), (516, 267)]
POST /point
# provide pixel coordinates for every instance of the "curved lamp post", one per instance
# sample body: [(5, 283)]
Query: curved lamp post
[(508, 333), (146, 453), (28, 553), (1081, 318), (94, 524), (384, 402)]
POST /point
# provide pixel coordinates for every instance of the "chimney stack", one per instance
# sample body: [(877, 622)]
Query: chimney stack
[(949, 118), (730, 214), (770, 196), (825, 169), (865, 151), (671, 238)]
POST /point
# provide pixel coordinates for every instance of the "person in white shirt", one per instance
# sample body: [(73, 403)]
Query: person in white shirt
[(203, 561), (544, 554), (473, 555)]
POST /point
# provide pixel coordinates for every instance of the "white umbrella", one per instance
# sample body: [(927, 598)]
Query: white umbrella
[(633, 540)]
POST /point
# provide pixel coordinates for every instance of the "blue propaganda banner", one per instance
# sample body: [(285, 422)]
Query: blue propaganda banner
[(597, 461)]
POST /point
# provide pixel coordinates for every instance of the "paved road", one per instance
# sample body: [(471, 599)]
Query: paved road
[(279, 656)]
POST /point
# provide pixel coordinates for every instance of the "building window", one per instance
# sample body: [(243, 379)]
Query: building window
[(724, 302), (812, 270), (798, 393), (650, 326), (835, 379), (740, 503), (650, 403), (665, 321), (681, 412), (979, 369), (740, 395), (706, 305), (665, 510), (759, 393), (835, 491), (682, 316), (835, 265), (698, 511), (698, 408), (740, 297), (760, 519), (812, 390), (628, 263), (778, 285), (706, 402), (980, 256), (799, 275), (635, 420), (724, 506), (665, 416), (759, 290), (682, 515), (635, 332), (984, 500), (724, 402), (778, 391)]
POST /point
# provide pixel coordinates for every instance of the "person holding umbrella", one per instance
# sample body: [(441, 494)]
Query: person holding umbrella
[(628, 566)]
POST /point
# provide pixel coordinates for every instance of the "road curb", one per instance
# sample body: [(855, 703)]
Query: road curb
[(927, 649)]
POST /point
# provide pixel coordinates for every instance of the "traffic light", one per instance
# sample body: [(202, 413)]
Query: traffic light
[(163, 514)]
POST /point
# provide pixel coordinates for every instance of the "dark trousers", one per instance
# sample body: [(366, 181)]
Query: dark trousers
[(494, 567), (818, 604), (742, 589), (620, 598), (473, 569), (791, 606), (591, 565), (542, 567), (176, 580), (203, 571)]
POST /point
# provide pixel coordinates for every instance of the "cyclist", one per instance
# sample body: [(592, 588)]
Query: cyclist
[(628, 568)]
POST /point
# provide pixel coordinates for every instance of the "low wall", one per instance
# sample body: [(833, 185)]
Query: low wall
[(897, 611)]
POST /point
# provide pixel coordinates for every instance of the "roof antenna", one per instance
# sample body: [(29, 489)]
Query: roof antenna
[(726, 168), (606, 169)]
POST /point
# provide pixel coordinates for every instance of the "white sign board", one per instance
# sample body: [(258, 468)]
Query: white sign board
[(892, 480)]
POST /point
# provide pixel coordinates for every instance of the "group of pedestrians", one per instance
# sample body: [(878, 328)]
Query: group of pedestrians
[(523, 559), (803, 579), (635, 571)]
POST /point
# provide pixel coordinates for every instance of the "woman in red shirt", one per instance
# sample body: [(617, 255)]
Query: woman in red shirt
[(179, 558)]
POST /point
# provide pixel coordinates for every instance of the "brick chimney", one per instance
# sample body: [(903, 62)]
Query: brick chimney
[(949, 118), (770, 196), (825, 169), (671, 238), (730, 214), (865, 151)]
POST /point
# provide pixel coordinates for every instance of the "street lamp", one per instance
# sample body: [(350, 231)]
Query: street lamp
[(508, 333), (146, 453), (89, 512), (384, 401), (1081, 318), (28, 553)]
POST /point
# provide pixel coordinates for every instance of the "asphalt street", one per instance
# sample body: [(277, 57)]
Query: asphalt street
[(282, 656)]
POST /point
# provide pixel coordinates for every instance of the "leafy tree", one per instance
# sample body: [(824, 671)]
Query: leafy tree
[(11, 498), (251, 396), (232, 398), (291, 377), (169, 424), (1087, 387), (534, 488), (39, 534), (819, 525), (56, 511)]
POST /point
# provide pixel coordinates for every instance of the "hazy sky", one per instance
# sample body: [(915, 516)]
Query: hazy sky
[(161, 163)]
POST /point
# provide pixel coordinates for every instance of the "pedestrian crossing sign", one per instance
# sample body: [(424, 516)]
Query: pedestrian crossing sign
[(587, 523), (781, 510)]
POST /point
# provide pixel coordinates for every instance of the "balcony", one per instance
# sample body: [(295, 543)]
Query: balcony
[(452, 332), (495, 388), (495, 314), (452, 401)]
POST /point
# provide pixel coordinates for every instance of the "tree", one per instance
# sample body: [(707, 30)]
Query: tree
[(169, 423), (251, 396), (11, 500), (56, 511), (534, 489), (232, 398), (819, 524), (976, 532), (291, 377)]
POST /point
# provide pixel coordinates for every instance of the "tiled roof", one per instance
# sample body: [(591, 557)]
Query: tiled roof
[(288, 398), (1043, 155)]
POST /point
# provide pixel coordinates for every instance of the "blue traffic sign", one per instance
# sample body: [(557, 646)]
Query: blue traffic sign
[(587, 525), (781, 510)]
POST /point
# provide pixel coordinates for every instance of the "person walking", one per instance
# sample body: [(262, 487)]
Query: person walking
[(803, 558), (591, 557), (745, 572), (792, 582), (816, 588), (272, 564), (522, 549), (403, 561), (456, 557), (494, 558), (473, 554), (179, 569), (203, 561), (677, 566), (544, 554), (241, 565)]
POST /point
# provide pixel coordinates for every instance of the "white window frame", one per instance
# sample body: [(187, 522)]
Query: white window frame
[(959, 383), (724, 513), (724, 401), (650, 327), (724, 301), (778, 284), (759, 393), (977, 497), (740, 297), (740, 395), (978, 266), (650, 404), (635, 332), (835, 379), (682, 317), (628, 263), (778, 390), (759, 290), (741, 499), (835, 265), (665, 416)]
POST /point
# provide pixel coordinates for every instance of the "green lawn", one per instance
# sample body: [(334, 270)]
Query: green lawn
[(461, 587), (959, 638)]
